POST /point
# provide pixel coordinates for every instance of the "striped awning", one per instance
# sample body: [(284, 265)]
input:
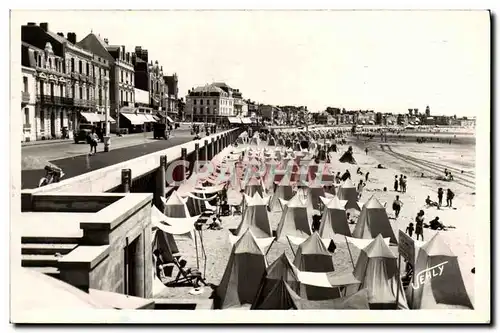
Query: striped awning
[(234, 120), (150, 118), (103, 118), (91, 117), (134, 119), (169, 119)]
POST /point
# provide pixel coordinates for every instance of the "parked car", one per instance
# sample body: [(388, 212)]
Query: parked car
[(82, 133), (160, 131)]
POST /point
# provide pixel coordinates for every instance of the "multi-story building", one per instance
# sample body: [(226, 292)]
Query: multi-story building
[(78, 83), (121, 74), (210, 103), (101, 69), (172, 100), (365, 117), (28, 100)]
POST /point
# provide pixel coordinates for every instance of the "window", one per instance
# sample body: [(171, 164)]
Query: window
[(215, 102), (39, 61), (81, 93), (121, 95), (73, 92), (126, 96), (80, 66), (25, 84), (121, 74), (52, 89), (42, 121), (87, 70), (194, 101), (201, 102), (61, 90), (88, 94), (72, 64), (100, 96), (26, 116), (50, 63)]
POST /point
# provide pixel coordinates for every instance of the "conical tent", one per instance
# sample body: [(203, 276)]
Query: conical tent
[(347, 191), (175, 206), (314, 191), (446, 288), (334, 220), (283, 191), (294, 219), (256, 217), (347, 158), (312, 256), (271, 141), (272, 294), (376, 268), (374, 221), (243, 275), (165, 244)]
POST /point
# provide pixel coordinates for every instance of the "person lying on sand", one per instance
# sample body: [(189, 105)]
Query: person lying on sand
[(216, 223), (436, 225), (380, 166)]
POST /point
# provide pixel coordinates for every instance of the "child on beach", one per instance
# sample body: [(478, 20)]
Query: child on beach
[(409, 229), (396, 183)]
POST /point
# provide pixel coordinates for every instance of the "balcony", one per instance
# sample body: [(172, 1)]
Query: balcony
[(25, 97), (54, 100), (83, 103)]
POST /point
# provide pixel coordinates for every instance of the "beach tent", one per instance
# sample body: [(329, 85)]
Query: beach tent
[(255, 139), (272, 294), (283, 191), (314, 190), (334, 219), (312, 256), (446, 288), (255, 217), (376, 268), (347, 191), (357, 301), (347, 158), (294, 219), (175, 206), (373, 221), (271, 141), (244, 272)]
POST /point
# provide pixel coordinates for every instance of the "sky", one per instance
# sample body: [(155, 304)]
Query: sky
[(387, 61)]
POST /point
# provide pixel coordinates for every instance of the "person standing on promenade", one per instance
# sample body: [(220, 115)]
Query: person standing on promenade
[(419, 225), (93, 140), (366, 150)]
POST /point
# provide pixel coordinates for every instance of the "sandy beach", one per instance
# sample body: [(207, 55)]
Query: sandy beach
[(436, 157)]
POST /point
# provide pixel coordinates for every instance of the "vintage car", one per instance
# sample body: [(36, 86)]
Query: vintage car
[(82, 133)]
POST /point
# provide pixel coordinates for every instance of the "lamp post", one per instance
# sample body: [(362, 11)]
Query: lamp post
[(107, 137)]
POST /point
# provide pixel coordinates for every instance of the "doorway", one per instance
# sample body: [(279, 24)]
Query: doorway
[(132, 283), (53, 124)]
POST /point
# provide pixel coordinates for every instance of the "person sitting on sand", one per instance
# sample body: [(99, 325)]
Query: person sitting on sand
[(349, 220), (396, 183), (436, 225), (431, 203), (216, 223), (409, 229), (450, 177), (359, 172), (338, 178), (380, 166), (346, 175)]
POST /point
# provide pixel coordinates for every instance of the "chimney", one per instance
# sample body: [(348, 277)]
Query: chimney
[(31, 24), (44, 26), (71, 37), (106, 41), (60, 34)]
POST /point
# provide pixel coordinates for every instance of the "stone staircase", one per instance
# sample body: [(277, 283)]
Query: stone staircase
[(42, 253)]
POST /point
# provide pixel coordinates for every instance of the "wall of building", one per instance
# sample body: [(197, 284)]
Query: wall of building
[(141, 96), (28, 86)]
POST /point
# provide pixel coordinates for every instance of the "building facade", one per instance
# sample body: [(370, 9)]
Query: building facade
[(209, 103), (121, 74), (101, 68), (28, 101), (63, 104), (172, 96)]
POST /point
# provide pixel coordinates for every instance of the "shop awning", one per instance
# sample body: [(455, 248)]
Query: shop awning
[(169, 119), (150, 118), (246, 120), (91, 117), (156, 118), (234, 120), (103, 118), (134, 119)]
